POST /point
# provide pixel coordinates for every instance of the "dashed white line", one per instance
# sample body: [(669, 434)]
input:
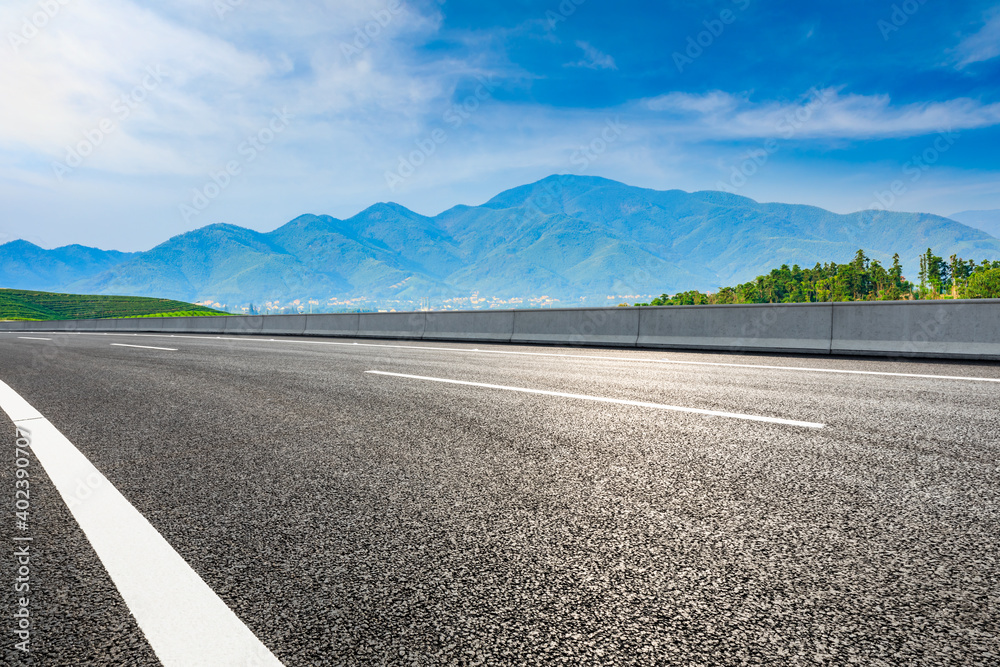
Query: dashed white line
[(602, 399), (592, 357), (32, 338), (184, 621), (145, 347), (927, 376)]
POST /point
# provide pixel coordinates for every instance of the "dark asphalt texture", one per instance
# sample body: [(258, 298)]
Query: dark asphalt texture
[(350, 518)]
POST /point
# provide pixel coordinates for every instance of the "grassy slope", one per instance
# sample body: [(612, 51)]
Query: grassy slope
[(26, 305)]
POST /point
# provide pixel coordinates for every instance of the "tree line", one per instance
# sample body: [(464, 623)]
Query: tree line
[(862, 279)]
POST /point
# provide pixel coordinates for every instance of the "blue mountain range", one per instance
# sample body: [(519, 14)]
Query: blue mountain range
[(565, 237)]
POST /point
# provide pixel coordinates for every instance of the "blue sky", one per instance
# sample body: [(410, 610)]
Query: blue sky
[(123, 125)]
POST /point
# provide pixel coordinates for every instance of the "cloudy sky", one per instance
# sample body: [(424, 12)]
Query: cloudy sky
[(122, 125)]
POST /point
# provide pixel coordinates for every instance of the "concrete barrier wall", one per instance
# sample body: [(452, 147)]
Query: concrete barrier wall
[(154, 324), (402, 326), (800, 327), (200, 325), (473, 325), (130, 325), (947, 329), (243, 325), (339, 325), (148, 324), (284, 325), (209, 325), (964, 329), (617, 327), (52, 326)]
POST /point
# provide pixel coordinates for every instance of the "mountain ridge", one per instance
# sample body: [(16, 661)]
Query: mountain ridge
[(985, 220), (565, 238)]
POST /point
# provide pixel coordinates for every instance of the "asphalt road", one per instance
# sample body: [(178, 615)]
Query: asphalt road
[(354, 518)]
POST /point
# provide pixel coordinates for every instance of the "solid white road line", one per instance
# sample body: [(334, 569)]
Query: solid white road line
[(31, 338), (145, 347), (618, 401), (184, 621)]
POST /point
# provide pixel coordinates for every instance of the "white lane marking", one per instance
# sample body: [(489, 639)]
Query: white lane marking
[(31, 338), (618, 401), (830, 370), (145, 347), (184, 621), (15, 406), (590, 357), (642, 360)]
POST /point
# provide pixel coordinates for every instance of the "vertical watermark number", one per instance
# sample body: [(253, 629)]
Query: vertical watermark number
[(22, 542)]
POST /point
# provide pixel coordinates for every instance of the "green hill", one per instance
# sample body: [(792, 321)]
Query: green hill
[(26, 305)]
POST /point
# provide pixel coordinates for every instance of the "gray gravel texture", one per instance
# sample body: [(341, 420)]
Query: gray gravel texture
[(357, 519)]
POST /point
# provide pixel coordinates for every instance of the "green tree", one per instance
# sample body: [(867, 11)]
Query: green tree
[(983, 285), (863, 279), (933, 274)]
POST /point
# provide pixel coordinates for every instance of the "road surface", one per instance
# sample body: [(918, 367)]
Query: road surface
[(409, 503)]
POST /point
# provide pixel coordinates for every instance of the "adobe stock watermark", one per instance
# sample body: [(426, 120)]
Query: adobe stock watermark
[(787, 127), (365, 35), (44, 357), (122, 109), (84, 489), (562, 12), (927, 335), (635, 281), (598, 146), (32, 26), (553, 188), (899, 17), (22, 540), (762, 320), (914, 169), (714, 27), (454, 117), (248, 150)]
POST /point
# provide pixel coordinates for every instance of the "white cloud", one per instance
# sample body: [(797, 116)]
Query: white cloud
[(711, 102), (594, 58), (822, 114), (331, 61), (69, 77), (981, 46)]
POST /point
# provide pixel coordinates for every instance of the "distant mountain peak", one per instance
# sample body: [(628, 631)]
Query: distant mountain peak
[(383, 210), (20, 245), (551, 189), (223, 227)]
